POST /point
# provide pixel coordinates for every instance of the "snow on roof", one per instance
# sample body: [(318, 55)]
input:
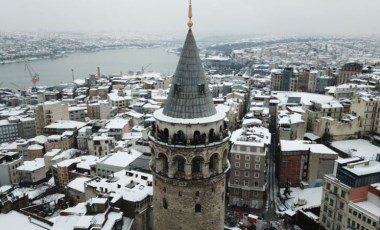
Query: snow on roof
[(364, 169), (311, 136), (87, 161), (41, 139), (312, 196), (299, 145), (66, 124), (255, 136), (67, 154), (52, 152), (78, 183), (294, 118), (83, 162), (358, 147), (306, 98), (132, 185), (33, 165), (35, 147), (117, 123), (220, 115), (16, 220), (31, 192), (297, 109), (371, 207), (121, 159), (251, 121)]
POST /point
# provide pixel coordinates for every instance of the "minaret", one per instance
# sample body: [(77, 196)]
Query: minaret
[(189, 143)]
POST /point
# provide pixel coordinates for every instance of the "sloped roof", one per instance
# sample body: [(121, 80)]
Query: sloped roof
[(189, 95)]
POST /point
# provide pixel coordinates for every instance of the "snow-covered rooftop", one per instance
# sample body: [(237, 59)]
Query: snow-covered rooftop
[(306, 98), (299, 145), (131, 185), (33, 165), (358, 147), (121, 159)]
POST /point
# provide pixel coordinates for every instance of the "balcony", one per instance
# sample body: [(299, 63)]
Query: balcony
[(191, 142)]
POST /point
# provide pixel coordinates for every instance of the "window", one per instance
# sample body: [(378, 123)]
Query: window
[(328, 186), (247, 165), (342, 193), (339, 217), (237, 164), (246, 174), (197, 193), (341, 205), (237, 156), (256, 184), (246, 183), (257, 166), (247, 157), (180, 194), (257, 158), (198, 208), (257, 175), (237, 173), (165, 203), (331, 203), (236, 181), (335, 190), (354, 213)]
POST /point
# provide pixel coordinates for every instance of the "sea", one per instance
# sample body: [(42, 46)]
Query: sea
[(59, 70)]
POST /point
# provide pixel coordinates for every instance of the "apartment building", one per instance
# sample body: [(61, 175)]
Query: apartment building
[(350, 198), (248, 157), (48, 112)]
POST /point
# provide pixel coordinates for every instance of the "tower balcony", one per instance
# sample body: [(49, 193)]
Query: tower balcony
[(197, 141)]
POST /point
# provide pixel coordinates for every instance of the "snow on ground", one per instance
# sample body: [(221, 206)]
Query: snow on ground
[(312, 197)]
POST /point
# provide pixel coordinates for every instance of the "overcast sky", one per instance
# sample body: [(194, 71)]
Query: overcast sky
[(211, 17)]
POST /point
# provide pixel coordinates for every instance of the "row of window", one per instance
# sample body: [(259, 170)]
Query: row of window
[(355, 225), (247, 157), (361, 217), (247, 165), (246, 182), (246, 174), (335, 190)]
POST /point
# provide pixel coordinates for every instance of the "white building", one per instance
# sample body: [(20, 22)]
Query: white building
[(100, 144), (32, 172), (9, 162)]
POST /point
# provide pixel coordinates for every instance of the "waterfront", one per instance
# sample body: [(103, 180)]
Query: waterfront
[(55, 71)]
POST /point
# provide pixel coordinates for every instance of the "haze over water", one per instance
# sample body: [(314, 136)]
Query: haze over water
[(55, 71)]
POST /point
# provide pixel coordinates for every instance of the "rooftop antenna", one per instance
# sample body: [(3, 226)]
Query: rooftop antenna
[(190, 23)]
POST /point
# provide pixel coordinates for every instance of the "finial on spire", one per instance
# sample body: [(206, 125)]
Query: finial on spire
[(190, 23)]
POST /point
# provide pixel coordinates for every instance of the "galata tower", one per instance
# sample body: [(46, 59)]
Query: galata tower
[(190, 144)]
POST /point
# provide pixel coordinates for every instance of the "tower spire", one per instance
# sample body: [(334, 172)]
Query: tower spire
[(190, 23)]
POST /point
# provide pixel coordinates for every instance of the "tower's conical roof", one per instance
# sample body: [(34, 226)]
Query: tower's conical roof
[(189, 95)]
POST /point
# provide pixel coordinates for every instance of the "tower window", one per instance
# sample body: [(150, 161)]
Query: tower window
[(198, 208), (201, 88), (181, 166), (180, 194), (197, 193), (177, 88), (165, 203)]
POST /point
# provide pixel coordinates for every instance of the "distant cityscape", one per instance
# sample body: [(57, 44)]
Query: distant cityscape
[(261, 133)]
